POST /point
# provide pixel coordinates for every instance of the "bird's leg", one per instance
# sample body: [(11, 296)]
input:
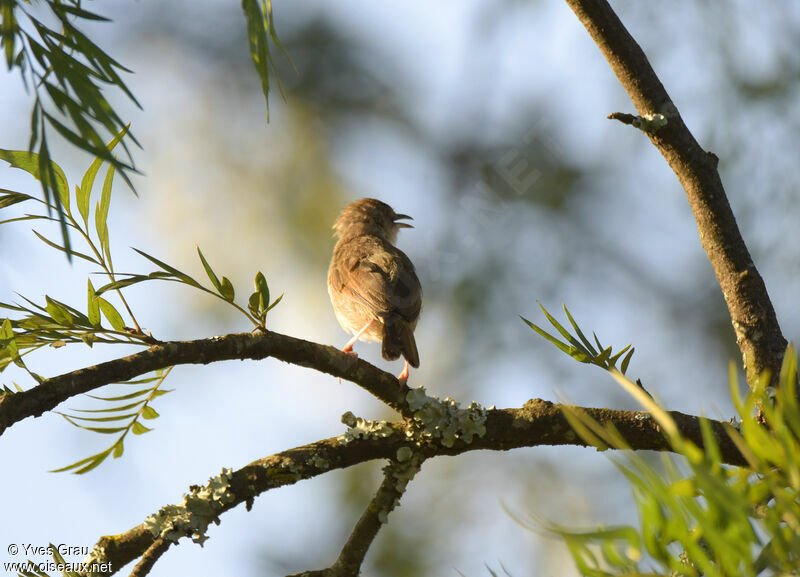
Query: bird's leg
[(403, 377), (348, 348)]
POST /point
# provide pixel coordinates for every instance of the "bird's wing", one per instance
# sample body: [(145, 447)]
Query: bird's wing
[(379, 276)]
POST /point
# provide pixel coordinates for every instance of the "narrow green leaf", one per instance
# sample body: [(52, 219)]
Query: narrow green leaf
[(36, 117), (88, 139), (599, 346), (132, 280), (119, 447), (59, 312), (140, 429), (624, 366), (93, 464), (27, 217), (6, 329), (123, 397), (84, 192), (566, 334), (112, 409), (93, 306), (102, 430), (149, 413), (77, 11), (9, 197), (614, 358), (263, 291), (274, 34), (89, 462), (142, 381), (274, 304), (111, 314), (226, 290), (105, 419), (252, 304), (578, 331), (181, 275), (210, 272), (66, 250), (8, 344), (8, 32), (30, 163), (259, 48), (603, 356), (101, 213), (547, 336)]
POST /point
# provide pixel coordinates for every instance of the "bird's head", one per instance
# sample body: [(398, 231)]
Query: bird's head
[(370, 216)]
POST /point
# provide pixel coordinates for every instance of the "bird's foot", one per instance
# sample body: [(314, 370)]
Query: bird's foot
[(403, 377), (349, 351)]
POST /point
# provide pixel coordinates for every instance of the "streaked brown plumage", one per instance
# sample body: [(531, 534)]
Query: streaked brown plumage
[(373, 287)]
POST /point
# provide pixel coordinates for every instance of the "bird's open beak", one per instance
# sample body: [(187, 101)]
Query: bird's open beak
[(402, 224)]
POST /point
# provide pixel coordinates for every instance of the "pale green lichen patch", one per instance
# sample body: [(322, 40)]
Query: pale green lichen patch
[(319, 462), (403, 472), (444, 420), (400, 473), (96, 558), (650, 122), (358, 428), (404, 454), (200, 507), (289, 464)]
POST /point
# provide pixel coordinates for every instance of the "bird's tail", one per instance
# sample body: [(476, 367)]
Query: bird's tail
[(398, 338)]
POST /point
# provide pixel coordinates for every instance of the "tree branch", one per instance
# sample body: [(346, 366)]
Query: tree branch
[(153, 554), (537, 423), (396, 476), (757, 331), (46, 396)]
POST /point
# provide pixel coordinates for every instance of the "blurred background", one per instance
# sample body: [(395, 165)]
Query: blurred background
[(485, 121)]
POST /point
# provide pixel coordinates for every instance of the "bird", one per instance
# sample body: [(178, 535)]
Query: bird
[(373, 286)]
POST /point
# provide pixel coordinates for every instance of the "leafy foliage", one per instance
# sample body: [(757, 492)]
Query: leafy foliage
[(698, 516), (55, 323), (260, 29), (130, 413), (579, 348), (68, 73), (31, 326)]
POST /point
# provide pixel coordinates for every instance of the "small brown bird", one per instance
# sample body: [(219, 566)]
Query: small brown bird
[(374, 290)]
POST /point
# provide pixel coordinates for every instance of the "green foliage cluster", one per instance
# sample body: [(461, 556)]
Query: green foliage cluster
[(260, 29), (31, 326), (68, 73), (699, 517), (128, 409), (579, 347)]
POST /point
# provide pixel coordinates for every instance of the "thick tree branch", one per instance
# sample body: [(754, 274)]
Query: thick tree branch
[(46, 396), (757, 331), (537, 423)]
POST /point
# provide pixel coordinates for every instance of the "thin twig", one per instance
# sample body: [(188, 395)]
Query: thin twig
[(396, 476), (153, 553)]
